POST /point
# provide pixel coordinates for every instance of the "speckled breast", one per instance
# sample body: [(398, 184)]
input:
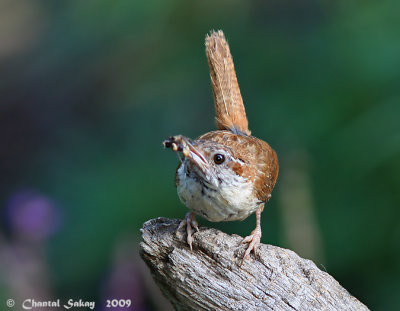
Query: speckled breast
[(226, 202)]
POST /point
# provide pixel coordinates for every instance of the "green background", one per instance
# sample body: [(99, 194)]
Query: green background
[(89, 90)]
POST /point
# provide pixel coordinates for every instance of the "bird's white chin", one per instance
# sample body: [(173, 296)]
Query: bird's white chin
[(222, 202)]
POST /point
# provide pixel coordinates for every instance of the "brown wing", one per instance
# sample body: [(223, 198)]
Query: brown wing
[(230, 112)]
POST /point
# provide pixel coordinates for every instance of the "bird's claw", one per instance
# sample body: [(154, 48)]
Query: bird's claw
[(254, 240), (190, 222)]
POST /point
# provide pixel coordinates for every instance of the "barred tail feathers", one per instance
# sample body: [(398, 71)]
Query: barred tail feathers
[(230, 111)]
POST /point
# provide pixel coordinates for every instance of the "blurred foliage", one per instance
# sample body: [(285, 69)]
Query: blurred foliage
[(89, 89)]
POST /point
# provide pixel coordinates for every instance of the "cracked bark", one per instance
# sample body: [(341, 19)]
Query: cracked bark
[(210, 278)]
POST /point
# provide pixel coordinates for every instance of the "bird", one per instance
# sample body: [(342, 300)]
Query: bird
[(226, 174)]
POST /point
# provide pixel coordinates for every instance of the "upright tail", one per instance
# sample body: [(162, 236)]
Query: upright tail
[(230, 112)]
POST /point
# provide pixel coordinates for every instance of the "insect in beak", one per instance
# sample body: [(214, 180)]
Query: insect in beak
[(183, 144)]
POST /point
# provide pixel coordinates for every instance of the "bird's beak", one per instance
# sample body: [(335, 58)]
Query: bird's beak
[(183, 144)]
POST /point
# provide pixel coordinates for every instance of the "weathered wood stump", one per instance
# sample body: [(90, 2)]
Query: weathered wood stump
[(211, 278)]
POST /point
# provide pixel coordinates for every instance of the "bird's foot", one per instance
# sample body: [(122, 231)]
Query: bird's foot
[(254, 240), (190, 222)]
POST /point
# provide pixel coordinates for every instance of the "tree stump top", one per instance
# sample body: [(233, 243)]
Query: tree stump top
[(210, 277)]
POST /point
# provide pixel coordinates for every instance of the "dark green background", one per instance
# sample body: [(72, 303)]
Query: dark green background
[(89, 89)]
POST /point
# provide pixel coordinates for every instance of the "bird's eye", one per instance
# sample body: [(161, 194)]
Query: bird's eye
[(219, 158)]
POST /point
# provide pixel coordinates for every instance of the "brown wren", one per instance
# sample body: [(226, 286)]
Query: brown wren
[(227, 174)]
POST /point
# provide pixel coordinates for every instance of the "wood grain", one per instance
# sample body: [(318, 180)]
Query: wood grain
[(210, 278)]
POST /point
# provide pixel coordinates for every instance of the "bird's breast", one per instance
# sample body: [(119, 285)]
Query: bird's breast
[(232, 199)]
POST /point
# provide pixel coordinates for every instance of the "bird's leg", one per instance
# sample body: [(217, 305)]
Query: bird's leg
[(254, 238), (190, 222)]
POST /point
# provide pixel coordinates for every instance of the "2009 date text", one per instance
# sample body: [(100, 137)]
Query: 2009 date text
[(118, 303)]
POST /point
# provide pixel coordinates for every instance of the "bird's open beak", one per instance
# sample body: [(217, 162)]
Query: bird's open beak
[(183, 144)]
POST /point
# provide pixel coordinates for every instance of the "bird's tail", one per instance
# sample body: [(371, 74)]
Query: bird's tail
[(230, 112)]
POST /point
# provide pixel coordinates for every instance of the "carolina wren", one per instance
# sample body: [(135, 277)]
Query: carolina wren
[(227, 174)]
